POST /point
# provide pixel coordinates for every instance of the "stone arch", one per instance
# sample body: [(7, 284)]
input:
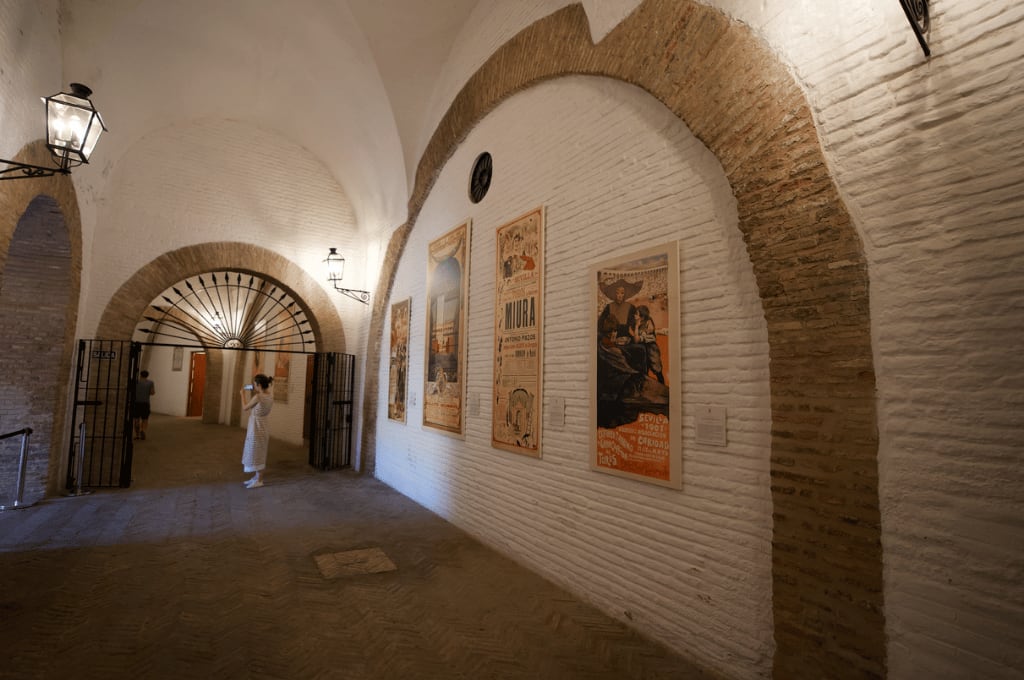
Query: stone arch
[(808, 260), (126, 307), (41, 229), (129, 303)]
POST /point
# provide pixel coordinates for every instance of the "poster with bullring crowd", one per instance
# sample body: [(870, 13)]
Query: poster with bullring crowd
[(518, 335), (635, 410), (445, 361)]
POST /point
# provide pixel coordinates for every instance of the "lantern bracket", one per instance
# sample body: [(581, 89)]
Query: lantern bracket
[(28, 170), (73, 126)]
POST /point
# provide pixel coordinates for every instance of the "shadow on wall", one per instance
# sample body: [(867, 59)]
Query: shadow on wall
[(36, 314)]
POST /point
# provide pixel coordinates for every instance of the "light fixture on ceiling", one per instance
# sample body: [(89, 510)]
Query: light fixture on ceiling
[(73, 126), (336, 270)]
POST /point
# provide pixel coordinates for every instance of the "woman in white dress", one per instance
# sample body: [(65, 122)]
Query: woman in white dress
[(257, 435)]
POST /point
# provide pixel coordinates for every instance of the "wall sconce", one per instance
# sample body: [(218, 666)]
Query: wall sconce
[(920, 22), (335, 270), (73, 126)]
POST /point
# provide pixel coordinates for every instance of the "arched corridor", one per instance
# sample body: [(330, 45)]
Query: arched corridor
[(189, 575)]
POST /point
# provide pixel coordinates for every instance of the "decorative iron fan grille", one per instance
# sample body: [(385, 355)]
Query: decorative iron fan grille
[(229, 310)]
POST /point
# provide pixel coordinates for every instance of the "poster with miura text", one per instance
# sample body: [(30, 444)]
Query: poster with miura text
[(445, 361), (635, 403), (518, 322)]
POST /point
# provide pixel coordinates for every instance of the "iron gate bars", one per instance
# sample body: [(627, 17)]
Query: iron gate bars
[(100, 450), (228, 310), (330, 433)]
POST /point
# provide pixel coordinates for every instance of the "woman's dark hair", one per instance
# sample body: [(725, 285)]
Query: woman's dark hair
[(262, 380)]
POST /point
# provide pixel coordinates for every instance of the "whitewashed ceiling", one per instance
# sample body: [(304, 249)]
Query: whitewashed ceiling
[(347, 80)]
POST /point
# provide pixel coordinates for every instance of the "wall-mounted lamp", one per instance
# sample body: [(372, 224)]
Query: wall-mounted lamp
[(73, 126), (335, 270), (920, 22)]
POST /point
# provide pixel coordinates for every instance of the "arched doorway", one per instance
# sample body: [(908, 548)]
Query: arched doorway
[(195, 299), (237, 322)]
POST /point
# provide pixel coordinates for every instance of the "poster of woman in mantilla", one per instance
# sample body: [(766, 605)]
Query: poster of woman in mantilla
[(636, 412), (445, 364), (518, 322)]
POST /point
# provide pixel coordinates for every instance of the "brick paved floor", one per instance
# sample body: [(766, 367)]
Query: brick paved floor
[(189, 575)]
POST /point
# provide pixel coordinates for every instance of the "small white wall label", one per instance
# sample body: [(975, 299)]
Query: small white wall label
[(709, 426), (556, 412)]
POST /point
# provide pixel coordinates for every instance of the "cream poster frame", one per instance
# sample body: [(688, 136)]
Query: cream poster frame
[(444, 365), (519, 335), (636, 409), (398, 370)]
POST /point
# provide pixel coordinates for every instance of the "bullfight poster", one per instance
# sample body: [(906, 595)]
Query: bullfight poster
[(445, 362), (399, 363), (518, 333), (636, 425)]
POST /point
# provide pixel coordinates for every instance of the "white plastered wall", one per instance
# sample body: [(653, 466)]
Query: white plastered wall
[(217, 180), (616, 171), (927, 155), (30, 54)]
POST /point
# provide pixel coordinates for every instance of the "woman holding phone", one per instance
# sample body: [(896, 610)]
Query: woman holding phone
[(257, 399)]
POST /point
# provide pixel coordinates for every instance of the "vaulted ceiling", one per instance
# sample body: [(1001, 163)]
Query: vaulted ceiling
[(348, 80)]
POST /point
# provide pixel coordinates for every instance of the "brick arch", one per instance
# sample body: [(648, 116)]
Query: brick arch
[(743, 104), (126, 307), (52, 203)]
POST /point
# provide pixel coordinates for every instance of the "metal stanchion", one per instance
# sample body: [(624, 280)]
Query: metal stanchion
[(22, 469)]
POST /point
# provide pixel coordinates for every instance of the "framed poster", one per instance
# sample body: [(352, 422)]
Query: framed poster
[(445, 363), (282, 364), (177, 356), (398, 370), (518, 335), (636, 425)]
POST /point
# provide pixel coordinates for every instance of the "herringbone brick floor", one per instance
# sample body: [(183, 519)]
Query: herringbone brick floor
[(189, 575)]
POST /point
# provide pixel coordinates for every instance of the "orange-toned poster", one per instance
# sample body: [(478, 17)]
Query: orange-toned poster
[(445, 365), (518, 335), (635, 415), (282, 364)]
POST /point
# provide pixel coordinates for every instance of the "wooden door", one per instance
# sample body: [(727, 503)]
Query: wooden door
[(196, 384)]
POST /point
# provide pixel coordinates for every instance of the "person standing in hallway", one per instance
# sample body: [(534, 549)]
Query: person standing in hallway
[(257, 434), (144, 389)]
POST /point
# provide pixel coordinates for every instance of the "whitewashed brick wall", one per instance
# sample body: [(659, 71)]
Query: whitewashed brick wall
[(219, 181), (927, 154), (208, 182), (616, 172), (942, 218), (30, 54)]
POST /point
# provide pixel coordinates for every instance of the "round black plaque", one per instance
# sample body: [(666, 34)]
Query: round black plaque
[(480, 178)]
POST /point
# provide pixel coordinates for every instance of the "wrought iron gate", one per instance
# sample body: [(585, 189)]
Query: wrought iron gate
[(330, 432), (100, 451)]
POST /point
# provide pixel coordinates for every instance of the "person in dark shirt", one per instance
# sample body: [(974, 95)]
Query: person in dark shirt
[(144, 389)]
